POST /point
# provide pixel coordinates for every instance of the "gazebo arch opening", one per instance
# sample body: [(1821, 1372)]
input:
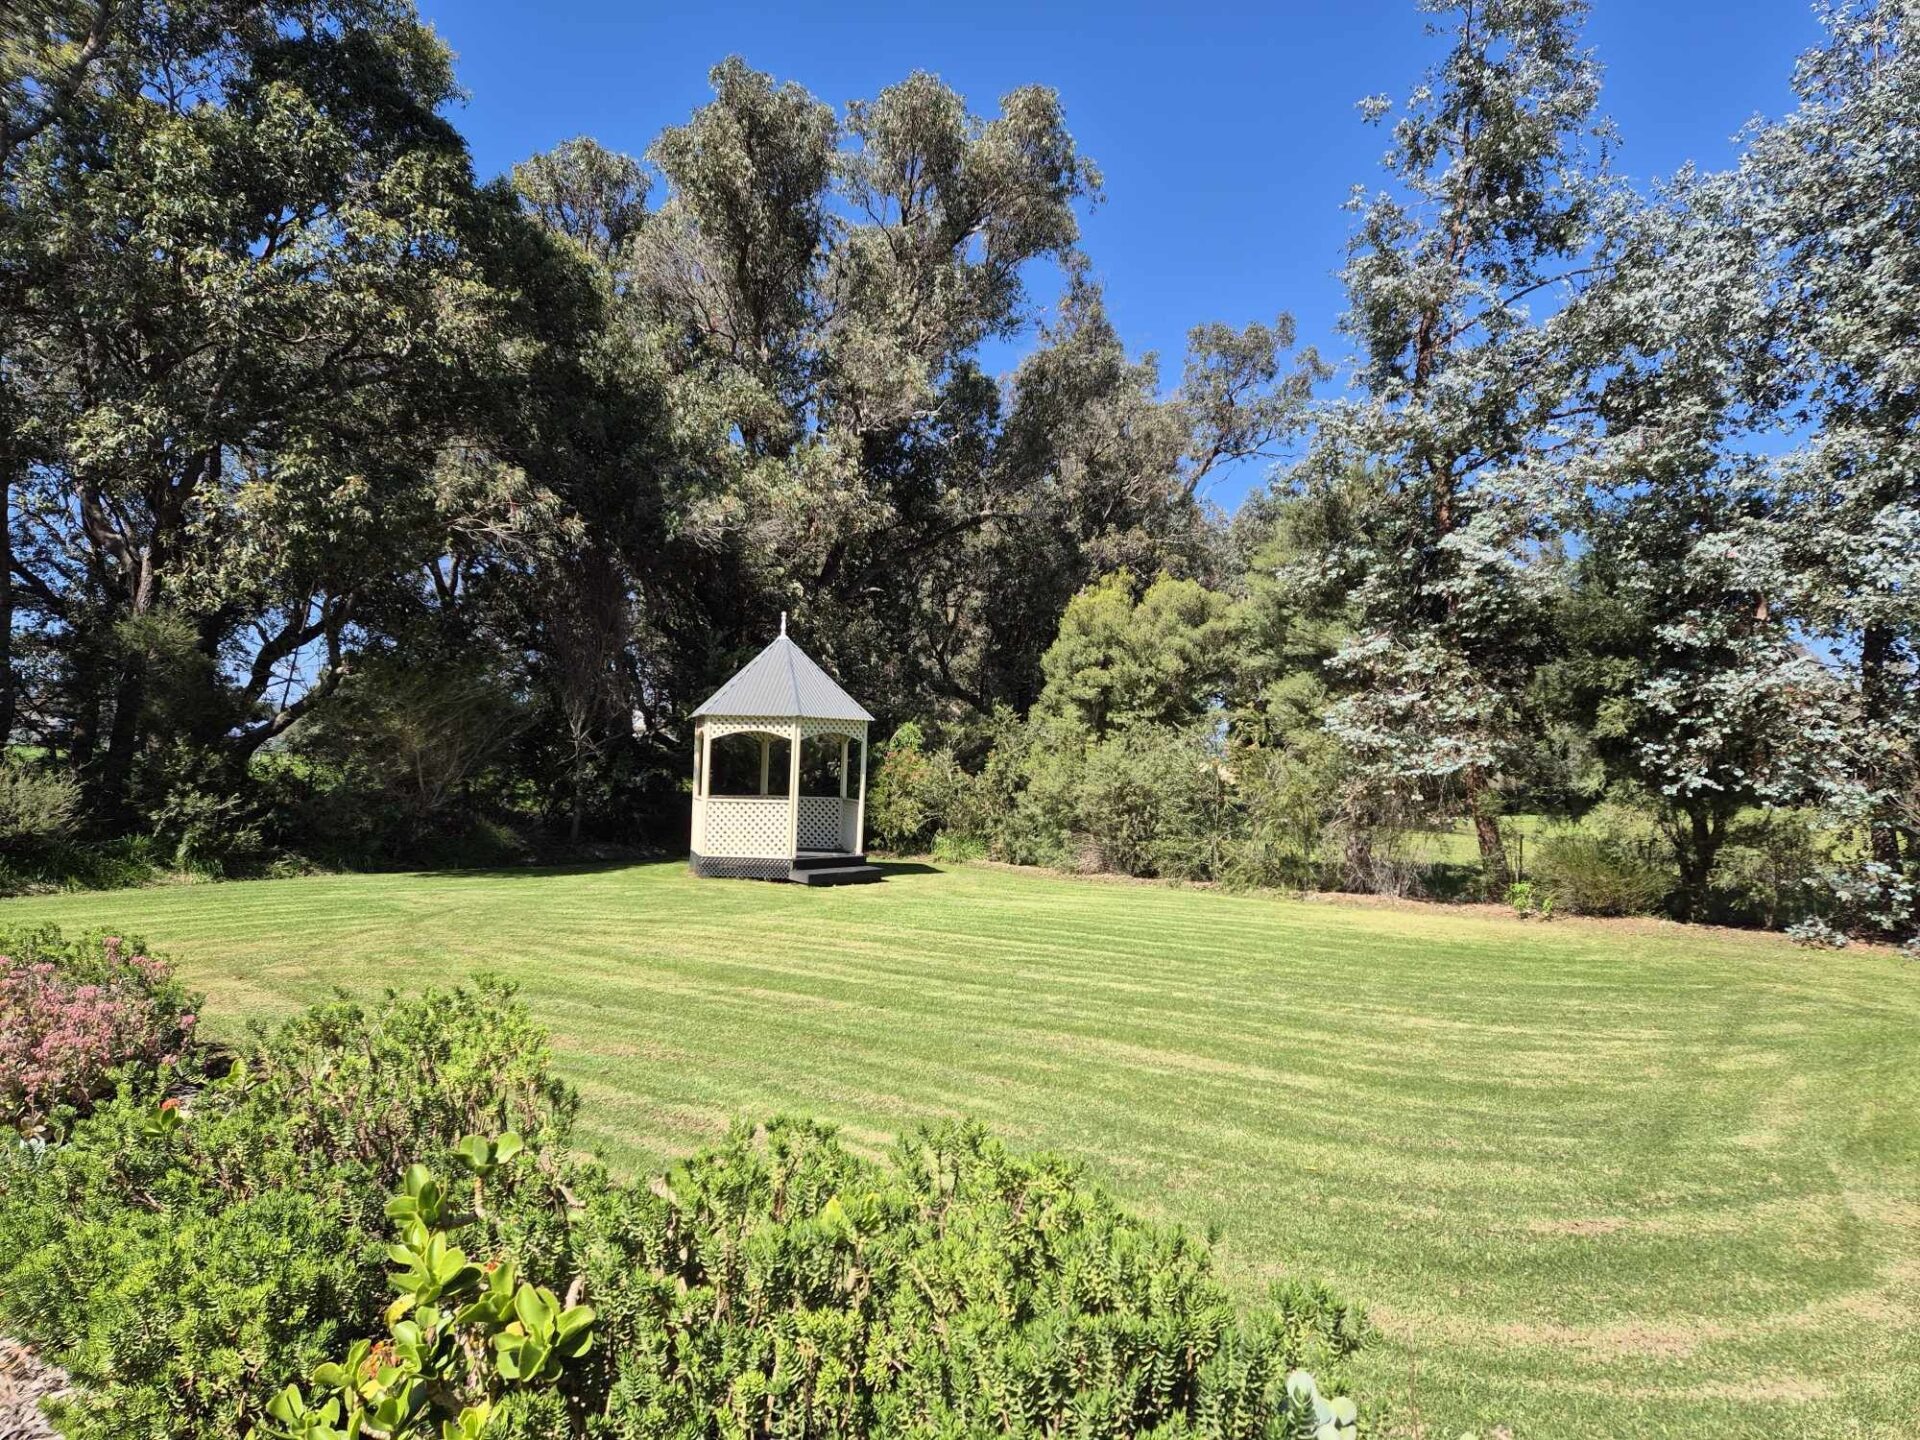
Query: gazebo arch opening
[(750, 762), (780, 774)]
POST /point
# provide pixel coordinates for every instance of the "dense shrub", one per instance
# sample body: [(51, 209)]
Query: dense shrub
[(780, 1285), (1143, 800), (1589, 873), (1767, 872), (183, 1274), (1290, 799), (916, 794), (74, 1010), (216, 1269), (35, 806), (470, 1348), (1026, 791), (955, 848), (1156, 802)]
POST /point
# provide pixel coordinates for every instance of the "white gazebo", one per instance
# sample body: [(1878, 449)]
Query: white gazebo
[(744, 831)]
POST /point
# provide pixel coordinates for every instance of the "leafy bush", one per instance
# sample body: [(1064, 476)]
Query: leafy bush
[(1157, 802), (1767, 872), (397, 757), (205, 820), (462, 1338), (1143, 801), (1528, 899), (215, 1269), (956, 849), (1871, 898), (915, 794), (71, 1013), (1599, 874), (65, 864), (1817, 934), (184, 1273), (780, 1285), (1287, 793), (35, 806)]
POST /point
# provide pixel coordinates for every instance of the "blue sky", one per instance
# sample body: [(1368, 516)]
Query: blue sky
[(1227, 133)]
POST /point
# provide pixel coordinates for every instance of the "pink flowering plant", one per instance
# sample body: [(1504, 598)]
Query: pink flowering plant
[(73, 1012)]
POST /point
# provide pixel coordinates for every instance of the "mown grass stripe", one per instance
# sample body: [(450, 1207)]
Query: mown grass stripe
[(1597, 1181)]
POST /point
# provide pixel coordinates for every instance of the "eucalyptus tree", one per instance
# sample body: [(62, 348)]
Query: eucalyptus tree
[(584, 554), (1681, 668), (1834, 189), (248, 305), (1690, 690), (820, 286), (49, 50), (1094, 471), (1466, 400)]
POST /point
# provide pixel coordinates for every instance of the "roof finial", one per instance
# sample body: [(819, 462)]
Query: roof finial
[(783, 622)]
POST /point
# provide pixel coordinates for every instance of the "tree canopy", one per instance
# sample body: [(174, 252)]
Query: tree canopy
[(321, 452)]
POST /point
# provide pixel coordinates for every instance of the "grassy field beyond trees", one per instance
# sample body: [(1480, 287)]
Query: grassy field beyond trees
[(1590, 1180)]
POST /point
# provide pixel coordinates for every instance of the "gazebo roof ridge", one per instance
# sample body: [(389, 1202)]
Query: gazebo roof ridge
[(786, 683)]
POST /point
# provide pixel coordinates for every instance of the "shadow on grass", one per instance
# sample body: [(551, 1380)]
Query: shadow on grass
[(890, 869), (540, 870)]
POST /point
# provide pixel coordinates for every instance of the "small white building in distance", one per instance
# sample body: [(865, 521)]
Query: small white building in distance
[(782, 721)]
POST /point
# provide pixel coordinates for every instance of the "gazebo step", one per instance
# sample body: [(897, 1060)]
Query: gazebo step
[(825, 859), (855, 873)]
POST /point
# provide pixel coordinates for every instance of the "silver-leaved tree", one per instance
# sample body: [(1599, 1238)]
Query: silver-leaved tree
[(1467, 399), (1834, 192)]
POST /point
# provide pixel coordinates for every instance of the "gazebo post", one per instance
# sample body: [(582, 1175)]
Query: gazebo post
[(840, 815), (793, 796), (702, 778), (860, 810), (766, 750)]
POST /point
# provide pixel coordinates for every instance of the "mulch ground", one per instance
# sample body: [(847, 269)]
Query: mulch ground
[(26, 1380)]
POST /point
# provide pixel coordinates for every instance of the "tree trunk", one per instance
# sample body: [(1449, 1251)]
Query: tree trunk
[(1876, 656), (1486, 829), (8, 704), (579, 801), (111, 799), (1697, 852)]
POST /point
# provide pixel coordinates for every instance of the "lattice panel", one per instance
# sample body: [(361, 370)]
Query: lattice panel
[(820, 822), (746, 825), (748, 725), (724, 868), (850, 728)]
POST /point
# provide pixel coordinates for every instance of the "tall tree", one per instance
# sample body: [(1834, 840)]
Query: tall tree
[(246, 312), (1161, 661), (48, 52), (820, 287), (1690, 689), (565, 521), (1835, 192), (1681, 668), (1466, 400)]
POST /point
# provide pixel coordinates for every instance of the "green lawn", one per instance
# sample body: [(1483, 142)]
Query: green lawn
[(1590, 1182)]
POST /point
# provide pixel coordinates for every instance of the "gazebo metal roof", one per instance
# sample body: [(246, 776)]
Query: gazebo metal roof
[(783, 682)]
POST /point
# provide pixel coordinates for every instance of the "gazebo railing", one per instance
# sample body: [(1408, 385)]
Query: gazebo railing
[(745, 825), (755, 826), (820, 822)]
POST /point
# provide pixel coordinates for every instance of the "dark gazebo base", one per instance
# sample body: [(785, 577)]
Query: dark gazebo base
[(810, 867)]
